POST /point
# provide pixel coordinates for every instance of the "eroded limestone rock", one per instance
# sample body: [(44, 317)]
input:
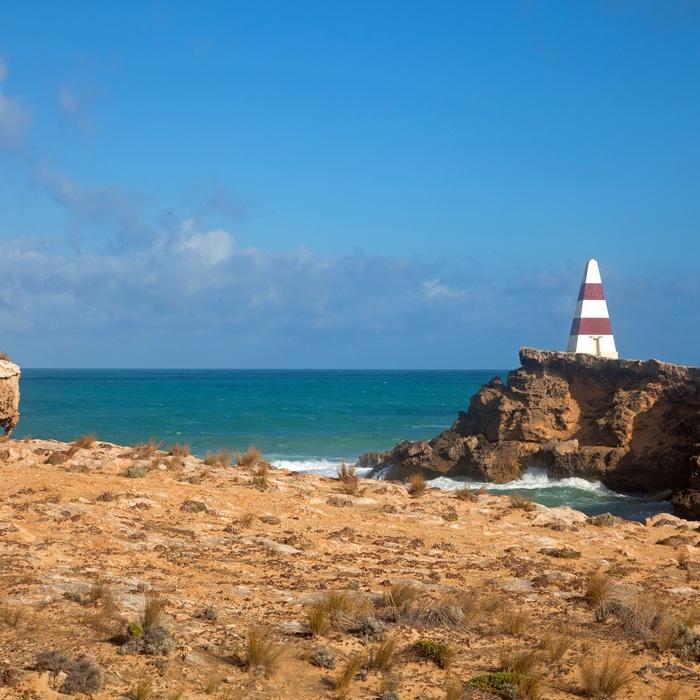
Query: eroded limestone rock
[(633, 424), (9, 395)]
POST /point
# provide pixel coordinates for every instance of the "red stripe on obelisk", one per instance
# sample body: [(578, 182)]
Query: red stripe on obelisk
[(591, 326), (591, 290)]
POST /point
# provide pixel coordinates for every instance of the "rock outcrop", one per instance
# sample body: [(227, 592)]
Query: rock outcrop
[(9, 395), (634, 425)]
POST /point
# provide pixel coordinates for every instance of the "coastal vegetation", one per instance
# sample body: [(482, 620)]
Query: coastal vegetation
[(196, 582)]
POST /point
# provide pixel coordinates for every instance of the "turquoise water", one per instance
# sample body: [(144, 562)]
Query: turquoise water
[(305, 420)]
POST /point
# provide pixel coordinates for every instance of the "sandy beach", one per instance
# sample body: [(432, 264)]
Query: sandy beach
[(471, 584)]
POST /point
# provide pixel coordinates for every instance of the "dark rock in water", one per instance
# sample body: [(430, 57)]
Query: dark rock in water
[(633, 424)]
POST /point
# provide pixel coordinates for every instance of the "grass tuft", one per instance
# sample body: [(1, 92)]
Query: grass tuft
[(146, 450), (249, 458), (143, 689), (179, 450), (385, 655), (682, 557), (557, 643), (153, 609), (514, 621), (522, 663), (604, 679), (220, 458), (598, 593), (85, 441), (341, 684), (417, 484), (262, 653), (349, 480), (517, 500)]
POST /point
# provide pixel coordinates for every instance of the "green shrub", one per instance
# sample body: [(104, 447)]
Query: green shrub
[(439, 653)]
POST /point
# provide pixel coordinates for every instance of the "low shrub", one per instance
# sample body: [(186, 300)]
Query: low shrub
[(440, 653), (83, 675), (324, 658)]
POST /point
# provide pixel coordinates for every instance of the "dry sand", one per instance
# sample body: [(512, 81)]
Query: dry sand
[(249, 553)]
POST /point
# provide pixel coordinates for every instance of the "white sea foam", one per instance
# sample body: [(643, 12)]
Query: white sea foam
[(533, 479), (324, 467)]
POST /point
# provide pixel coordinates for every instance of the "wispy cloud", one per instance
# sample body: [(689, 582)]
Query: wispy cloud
[(73, 106), (14, 116)]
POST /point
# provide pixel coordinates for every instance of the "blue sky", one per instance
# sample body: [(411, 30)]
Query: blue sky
[(356, 184)]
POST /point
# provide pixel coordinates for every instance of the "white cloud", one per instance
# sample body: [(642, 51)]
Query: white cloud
[(212, 247), (434, 289), (14, 117)]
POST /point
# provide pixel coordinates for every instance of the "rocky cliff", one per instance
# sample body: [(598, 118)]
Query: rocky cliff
[(634, 425), (9, 395)]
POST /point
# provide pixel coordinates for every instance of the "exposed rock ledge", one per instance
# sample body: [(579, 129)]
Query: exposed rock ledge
[(9, 395), (632, 424)]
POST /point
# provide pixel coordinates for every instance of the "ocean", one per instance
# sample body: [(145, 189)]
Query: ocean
[(306, 420)]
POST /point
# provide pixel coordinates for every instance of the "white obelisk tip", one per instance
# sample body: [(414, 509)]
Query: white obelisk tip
[(591, 331)]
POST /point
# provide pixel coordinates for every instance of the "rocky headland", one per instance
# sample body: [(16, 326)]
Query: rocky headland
[(135, 572), (635, 425)]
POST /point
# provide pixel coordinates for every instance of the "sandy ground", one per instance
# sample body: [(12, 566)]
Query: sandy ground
[(83, 546)]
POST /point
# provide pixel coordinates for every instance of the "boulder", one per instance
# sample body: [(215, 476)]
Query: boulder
[(9, 395)]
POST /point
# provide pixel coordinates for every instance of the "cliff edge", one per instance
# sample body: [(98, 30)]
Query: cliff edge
[(9, 395), (633, 424)]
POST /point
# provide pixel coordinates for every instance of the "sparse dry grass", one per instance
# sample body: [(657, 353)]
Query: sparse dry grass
[(153, 609), (383, 657), (401, 595), (466, 493), (514, 621), (605, 678), (318, 619), (557, 642), (683, 557), (341, 683), (670, 691), (143, 689), (249, 458), (337, 609), (598, 592), (12, 615), (146, 450), (179, 450), (247, 519), (517, 500), (417, 484), (262, 653), (219, 458), (104, 611), (85, 441), (349, 480), (262, 472), (523, 663)]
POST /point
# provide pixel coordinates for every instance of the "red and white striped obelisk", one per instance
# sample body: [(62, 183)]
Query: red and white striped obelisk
[(591, 331)]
